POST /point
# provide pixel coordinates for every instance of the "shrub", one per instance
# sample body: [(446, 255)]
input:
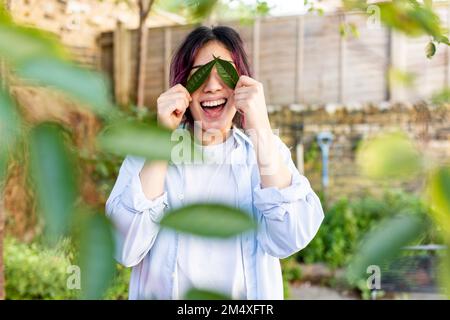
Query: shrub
[(291, 269), (347, 222), (34, 271)]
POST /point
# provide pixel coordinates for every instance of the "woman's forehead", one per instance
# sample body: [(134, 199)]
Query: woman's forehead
[(205, 54)]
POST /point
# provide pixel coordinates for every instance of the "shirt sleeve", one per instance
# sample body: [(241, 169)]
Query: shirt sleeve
[(134, 216), (133, 196), (289, 217), (274, 202)]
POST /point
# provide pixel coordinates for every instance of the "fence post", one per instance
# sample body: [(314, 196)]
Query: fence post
[(342, 61), (122, 65), (299, 59), (398, 62), (256, 39), (167, 53)]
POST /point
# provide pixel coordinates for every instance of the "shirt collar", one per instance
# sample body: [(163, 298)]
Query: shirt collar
[(240, 136)]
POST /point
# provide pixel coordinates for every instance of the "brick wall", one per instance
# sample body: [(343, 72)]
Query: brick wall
[(428, 126)]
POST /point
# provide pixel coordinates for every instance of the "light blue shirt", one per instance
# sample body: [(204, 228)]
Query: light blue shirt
[(288, 219), (218, 265)]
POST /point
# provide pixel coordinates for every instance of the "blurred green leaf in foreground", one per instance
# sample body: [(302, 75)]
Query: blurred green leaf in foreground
[(209, 220), (393, 155), (389, 156)]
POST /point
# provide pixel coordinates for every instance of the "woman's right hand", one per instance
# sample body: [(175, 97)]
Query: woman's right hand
[(171, 106)]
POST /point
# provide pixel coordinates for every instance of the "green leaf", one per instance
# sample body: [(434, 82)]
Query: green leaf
[(354, 30), (343, 30), (397, 17), (5, 16), (262, 8), (439, 196), (439, 193), (200, 294), (19, 44), (209, 220), (96, 256), (401, 78), (9, 129), (84, 85), (428, 20), (442, 39), (53, 174), (134, 138), (389, 155), (227, 72), (355, 4), (199, 76), (199, 9), (430, 49), (409, 17), (225, 69), (384, 243)]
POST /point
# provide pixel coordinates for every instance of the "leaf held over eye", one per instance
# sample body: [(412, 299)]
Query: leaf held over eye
[(225, 69), (199, 76), (227, 72)]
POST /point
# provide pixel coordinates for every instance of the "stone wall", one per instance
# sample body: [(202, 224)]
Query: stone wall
[(428, 126)]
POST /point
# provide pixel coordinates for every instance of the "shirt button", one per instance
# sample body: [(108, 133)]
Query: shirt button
[(181, 196)]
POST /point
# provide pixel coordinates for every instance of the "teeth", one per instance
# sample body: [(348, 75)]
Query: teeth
[(213, 103)]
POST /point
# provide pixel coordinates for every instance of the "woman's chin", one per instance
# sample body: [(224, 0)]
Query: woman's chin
[(214, 125), (211, 124)]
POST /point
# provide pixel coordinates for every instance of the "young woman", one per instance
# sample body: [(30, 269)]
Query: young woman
[(247, 166)]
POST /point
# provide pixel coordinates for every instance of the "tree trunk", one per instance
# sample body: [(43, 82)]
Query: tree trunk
[(140, 65), (144, 10)]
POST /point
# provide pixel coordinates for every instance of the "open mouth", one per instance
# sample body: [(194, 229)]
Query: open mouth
[(214, 108)]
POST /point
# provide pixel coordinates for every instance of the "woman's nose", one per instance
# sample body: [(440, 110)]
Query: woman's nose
[(213, 83)]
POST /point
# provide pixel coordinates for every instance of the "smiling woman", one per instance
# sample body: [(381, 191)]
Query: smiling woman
[(214, 98)]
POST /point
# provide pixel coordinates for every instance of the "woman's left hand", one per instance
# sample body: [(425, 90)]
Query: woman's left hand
[(249, 101)]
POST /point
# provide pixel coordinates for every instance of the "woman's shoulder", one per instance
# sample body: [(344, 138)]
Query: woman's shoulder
[(132, 163)]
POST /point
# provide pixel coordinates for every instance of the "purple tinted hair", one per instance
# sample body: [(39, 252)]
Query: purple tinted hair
[(184, 56)]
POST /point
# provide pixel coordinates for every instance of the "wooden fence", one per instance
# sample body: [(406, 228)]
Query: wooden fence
[(299, 59)]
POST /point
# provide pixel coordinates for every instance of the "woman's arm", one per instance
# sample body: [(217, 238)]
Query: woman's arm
[(273, 171), (136, 205), (250, 101), (289, 217), (152, 178), (290, 211), (138, 201)]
